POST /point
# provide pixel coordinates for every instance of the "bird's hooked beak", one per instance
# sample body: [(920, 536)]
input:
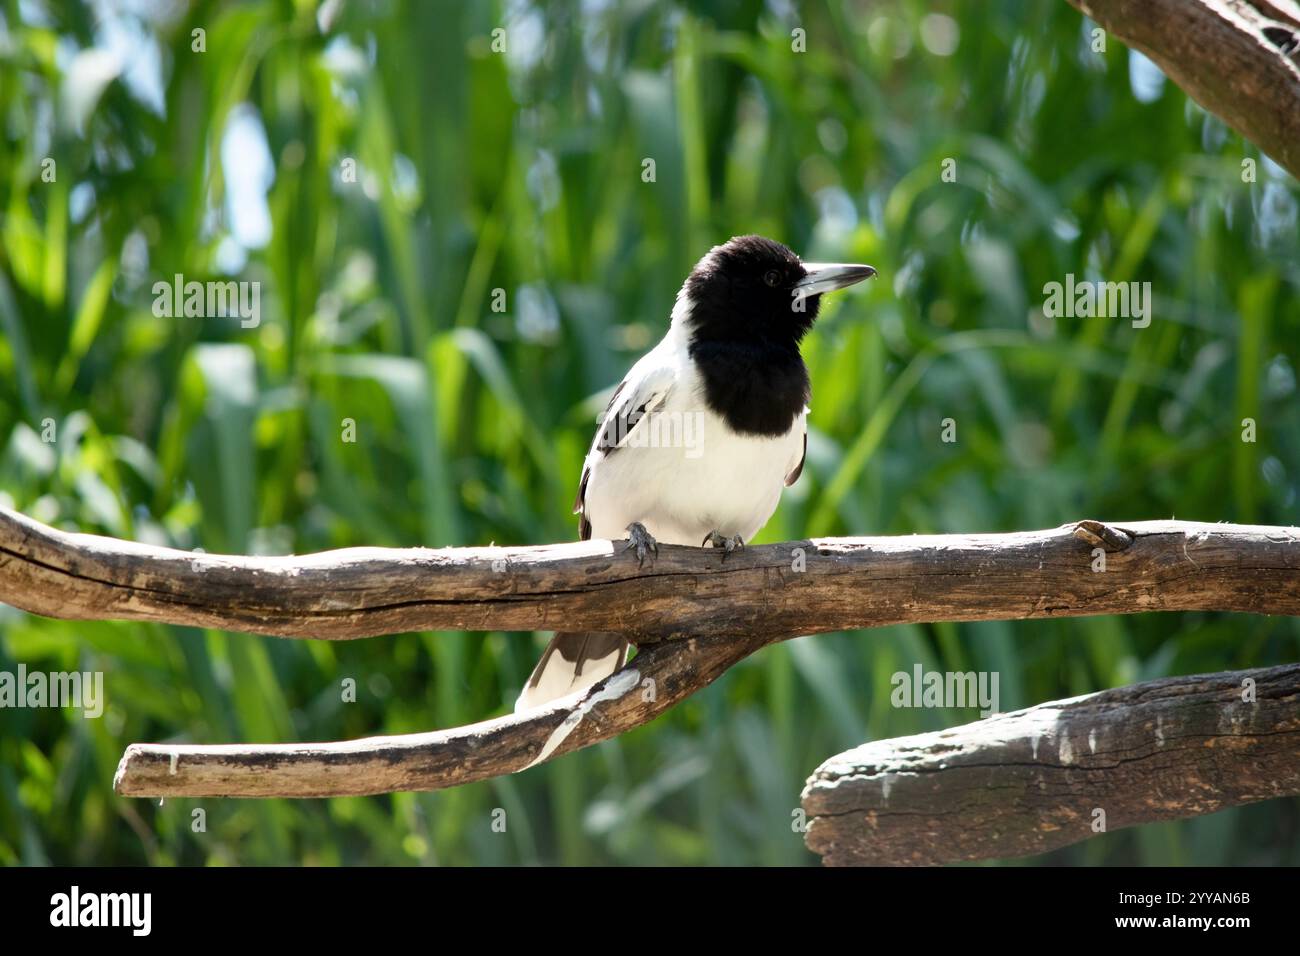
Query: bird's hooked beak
[(829, 276)]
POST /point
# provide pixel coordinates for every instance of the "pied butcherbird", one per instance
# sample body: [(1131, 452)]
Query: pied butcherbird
[(727, 375)]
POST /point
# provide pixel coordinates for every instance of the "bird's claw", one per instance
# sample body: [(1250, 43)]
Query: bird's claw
[(717, 539), (642, 542)]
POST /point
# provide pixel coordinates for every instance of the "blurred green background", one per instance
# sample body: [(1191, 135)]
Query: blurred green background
[(522, 171)]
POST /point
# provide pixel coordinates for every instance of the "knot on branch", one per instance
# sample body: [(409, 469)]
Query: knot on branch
[(1101, 535)]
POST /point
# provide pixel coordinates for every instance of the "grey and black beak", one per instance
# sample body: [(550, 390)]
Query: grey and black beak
[(829, 276)]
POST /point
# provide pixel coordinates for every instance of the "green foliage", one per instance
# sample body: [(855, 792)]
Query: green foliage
[(522, 171)]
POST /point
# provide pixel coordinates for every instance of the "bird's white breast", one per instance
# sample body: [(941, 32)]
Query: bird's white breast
[(689, 473)]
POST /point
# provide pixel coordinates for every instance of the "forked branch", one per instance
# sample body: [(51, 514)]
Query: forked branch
[(692, 614)]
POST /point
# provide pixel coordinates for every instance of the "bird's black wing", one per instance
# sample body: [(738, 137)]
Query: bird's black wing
[(643, 391), (599, 444), (791, 478)]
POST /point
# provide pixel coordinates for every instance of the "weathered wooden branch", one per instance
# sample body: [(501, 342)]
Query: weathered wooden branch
[(777, 590), (692, 614), (1240, 59), (1034, 780), (652, 682)]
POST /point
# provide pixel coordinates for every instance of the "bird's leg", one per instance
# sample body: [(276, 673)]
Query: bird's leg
[(640, 541), (716, 539)]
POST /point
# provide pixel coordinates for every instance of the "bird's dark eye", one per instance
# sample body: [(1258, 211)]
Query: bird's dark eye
[(772, 278)]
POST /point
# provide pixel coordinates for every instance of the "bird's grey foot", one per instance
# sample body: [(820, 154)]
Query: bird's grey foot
[(717, 539), (641, 541)]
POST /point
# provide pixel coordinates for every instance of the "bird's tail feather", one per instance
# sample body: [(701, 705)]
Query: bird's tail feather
[(573, 661)]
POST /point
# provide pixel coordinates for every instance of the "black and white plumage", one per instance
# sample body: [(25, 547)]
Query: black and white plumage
[(706, 429)]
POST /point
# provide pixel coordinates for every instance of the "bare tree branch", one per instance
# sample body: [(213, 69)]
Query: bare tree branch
[(1037, 779), (777, 590), (652, 682), (1237, 58), (692, 615)]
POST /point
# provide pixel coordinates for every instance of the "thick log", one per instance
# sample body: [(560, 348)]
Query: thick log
[(1237, 58), (777, 590), (1034, 780)]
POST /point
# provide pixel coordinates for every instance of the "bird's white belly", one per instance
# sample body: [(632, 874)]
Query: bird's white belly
[(712, 480)]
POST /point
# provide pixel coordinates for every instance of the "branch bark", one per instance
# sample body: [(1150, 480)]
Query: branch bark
[(650, 684), (1236, 58), (776, 590), (758, 596), (1035, 780)]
